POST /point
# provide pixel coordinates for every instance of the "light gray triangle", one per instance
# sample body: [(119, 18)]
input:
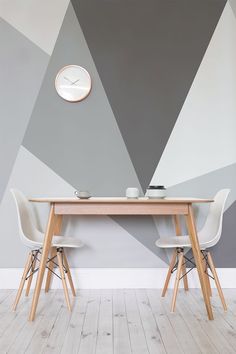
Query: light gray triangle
[(205, 186), (233, 6), (106, 243), (39, 21), (23, 65)]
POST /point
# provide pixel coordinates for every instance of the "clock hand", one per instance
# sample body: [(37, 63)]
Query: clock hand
[(74, 82), (66, 78)]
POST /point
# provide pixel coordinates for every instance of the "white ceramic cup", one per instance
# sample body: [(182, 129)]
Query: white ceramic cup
[(132, 192)]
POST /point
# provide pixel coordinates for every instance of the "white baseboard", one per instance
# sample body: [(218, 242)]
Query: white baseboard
[(118, 278)]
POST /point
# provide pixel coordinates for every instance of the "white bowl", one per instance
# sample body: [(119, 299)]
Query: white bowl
[(156, 193), (82, 194)]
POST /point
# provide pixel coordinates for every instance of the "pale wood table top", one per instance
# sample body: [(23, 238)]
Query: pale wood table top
[(123, 200)]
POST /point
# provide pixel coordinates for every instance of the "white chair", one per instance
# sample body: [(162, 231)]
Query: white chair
[(208, 237), (33, 239)]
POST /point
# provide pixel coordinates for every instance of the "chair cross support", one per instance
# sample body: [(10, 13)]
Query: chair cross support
[(187, 259), (35, 257)]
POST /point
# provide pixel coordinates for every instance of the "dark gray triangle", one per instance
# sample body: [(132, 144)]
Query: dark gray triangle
[(147, 54)]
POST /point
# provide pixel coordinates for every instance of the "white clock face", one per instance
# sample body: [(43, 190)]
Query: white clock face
[(73, 83)]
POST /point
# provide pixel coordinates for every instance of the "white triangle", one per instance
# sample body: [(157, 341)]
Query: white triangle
[(40, 21), (203, 138), (107, 243)]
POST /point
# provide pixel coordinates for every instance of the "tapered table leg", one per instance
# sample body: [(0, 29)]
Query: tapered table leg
[(43, 261), (198, 259)]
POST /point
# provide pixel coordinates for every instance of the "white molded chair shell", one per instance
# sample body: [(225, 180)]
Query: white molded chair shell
[(29, 234), (210, 233)]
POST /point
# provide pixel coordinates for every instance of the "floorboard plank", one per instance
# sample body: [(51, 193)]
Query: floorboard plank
[(151, 330), (105, 324), (120, 326), (89, 332), (136, 332), (74, 331)]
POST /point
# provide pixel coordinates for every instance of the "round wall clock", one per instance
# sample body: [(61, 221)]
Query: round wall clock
[(73, 83)]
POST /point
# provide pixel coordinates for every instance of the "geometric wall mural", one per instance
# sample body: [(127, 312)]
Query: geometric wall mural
[(147, 54), (162, 111)]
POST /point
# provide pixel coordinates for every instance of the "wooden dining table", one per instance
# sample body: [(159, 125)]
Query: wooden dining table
[(121, 206)]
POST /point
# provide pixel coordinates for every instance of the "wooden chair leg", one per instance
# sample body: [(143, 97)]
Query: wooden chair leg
[(213, 270), (177, 279), (184, 273), (207, 277), (63, 278), (178, 232), (22, 282), (53, 253), (29, 281), (172, 263), (69, 274)]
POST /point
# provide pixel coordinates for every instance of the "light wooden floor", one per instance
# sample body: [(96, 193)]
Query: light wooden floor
[(119, 322)]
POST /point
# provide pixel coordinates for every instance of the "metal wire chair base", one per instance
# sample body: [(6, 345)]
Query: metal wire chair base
[(35, 254), (190, 260)]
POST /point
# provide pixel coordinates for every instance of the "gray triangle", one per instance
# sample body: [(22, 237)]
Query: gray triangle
[(23, 66), (233, 6), (144, 230), (224, 251)]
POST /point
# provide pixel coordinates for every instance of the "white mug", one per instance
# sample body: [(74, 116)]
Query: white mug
[(132, 193)]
